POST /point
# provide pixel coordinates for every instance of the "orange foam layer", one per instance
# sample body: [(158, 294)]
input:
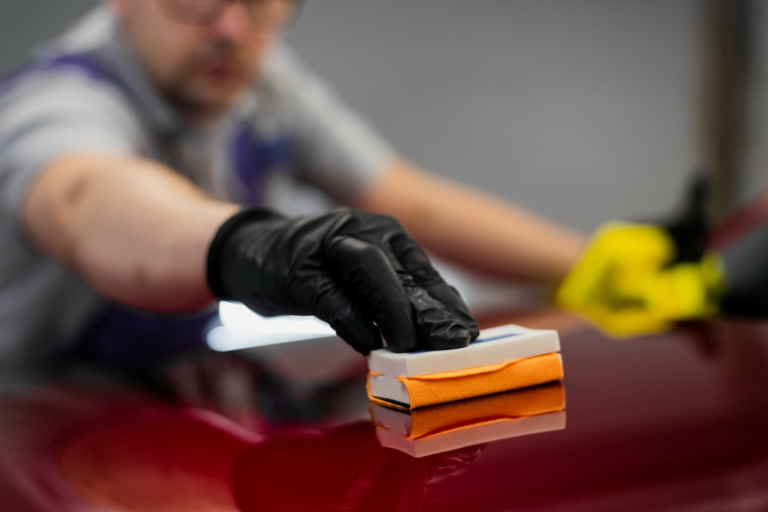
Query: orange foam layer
[(431, 421), (440, 419), (440, 388)]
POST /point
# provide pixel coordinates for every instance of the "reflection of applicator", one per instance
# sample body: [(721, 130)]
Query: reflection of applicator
[(501, 359), (437, 429)]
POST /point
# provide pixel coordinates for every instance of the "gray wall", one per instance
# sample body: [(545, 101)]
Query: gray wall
[(583, 110), (24, 23), (756, 171)]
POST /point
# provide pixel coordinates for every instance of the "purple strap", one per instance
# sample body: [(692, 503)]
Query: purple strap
[(86, 63), (133, 339), (254, 158)]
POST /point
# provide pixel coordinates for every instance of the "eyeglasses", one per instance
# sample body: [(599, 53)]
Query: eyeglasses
[(205, 12)]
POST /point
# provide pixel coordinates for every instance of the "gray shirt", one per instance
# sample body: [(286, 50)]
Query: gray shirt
[(48, 112)]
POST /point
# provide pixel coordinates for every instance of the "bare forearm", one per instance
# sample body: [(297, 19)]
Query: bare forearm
[(474, 228), (500, 239), (135, 231)]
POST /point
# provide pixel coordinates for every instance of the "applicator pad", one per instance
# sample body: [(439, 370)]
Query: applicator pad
[(501, 359)]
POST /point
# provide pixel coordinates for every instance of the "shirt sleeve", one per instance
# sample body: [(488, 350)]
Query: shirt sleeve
[(43, 118), (337, 150)]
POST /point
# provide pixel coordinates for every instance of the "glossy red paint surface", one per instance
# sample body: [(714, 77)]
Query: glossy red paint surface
[(670, 422)]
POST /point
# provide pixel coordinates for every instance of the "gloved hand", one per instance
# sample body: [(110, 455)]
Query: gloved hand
[(628, 284), (360, 272), (639, 278)]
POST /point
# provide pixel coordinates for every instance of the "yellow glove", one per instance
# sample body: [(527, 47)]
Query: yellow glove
[(625, 284)]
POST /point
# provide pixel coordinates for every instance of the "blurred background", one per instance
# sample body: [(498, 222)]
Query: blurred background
[(583, 111)]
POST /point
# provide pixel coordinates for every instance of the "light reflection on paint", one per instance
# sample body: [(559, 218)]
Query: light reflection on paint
[(242, 328)]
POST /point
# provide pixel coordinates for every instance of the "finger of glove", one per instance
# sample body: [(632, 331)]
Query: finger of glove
[(453, 302), (438, 328), (416, 263), (365, 269), (346, 317)]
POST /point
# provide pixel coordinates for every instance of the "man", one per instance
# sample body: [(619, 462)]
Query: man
[(127, 146)]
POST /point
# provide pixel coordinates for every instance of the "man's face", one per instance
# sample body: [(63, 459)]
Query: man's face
[(202, 54)]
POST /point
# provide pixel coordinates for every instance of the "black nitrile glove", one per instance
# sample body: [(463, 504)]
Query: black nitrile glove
[(348, 268)]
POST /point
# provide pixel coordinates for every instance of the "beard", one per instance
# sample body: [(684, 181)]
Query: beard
[(211, 80)]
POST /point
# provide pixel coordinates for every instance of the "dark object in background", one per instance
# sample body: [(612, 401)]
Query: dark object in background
[(744, 257)]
